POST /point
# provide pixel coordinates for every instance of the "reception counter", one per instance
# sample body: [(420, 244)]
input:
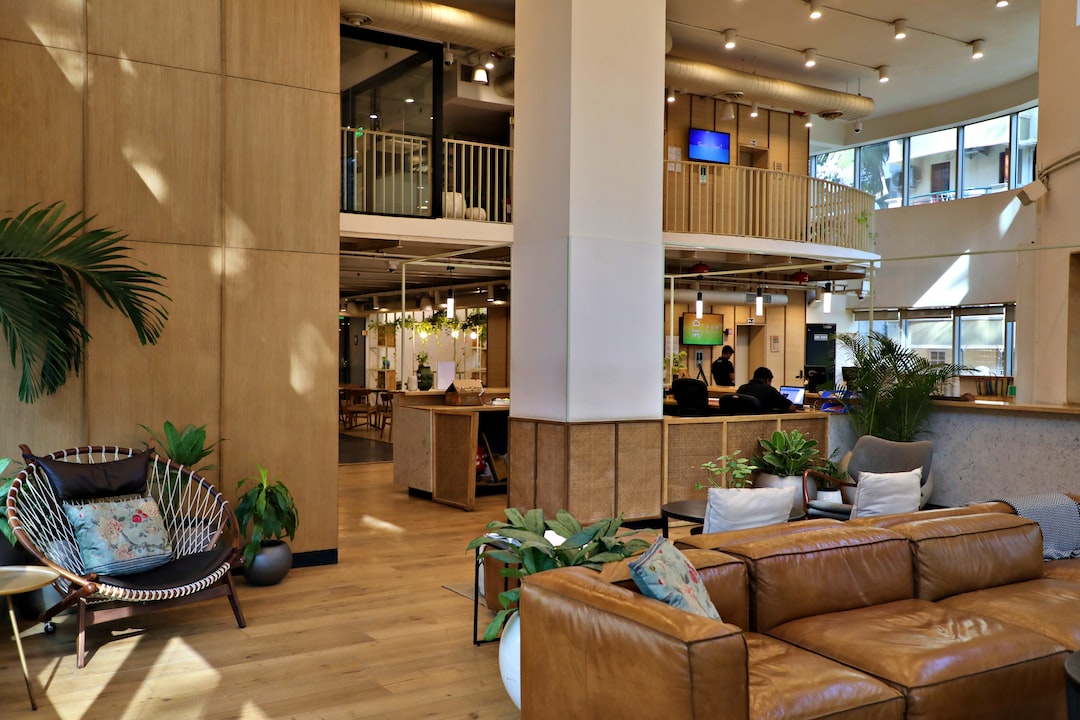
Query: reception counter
[(435, 443)]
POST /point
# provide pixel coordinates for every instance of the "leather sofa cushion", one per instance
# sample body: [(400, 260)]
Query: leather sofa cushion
[(948, 663), (731, 538), (954, 555), (1046, 606), (787, 681), (829, 570), (725, 579), (888, 521), (1067, 569)]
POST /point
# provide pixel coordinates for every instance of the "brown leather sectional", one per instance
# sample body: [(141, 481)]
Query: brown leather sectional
[(941, 615)]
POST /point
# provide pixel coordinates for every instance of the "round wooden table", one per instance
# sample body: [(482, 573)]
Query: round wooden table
[(16, 579), (689, 510)]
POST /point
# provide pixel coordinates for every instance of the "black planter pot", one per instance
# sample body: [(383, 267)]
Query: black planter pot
[(271, 564), (425, 377)]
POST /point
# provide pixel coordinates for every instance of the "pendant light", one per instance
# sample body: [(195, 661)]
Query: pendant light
[(450, 296), (699, 306), (759, 303), (826, 300)]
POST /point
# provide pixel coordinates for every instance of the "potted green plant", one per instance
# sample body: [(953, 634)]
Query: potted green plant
[(784, 457), (267, 515), (728, 471), (185, 447), (46, 262), (524, 545), (425, 378)]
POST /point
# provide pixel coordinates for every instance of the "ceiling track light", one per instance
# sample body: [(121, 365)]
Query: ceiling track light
[(815, 9), (670, 94), (810, 57), (883, 74), (490, 62), (899, 29), (809, 121), (1001, 3), (728, 113), (977, 47), (729, 38), (754, 110)]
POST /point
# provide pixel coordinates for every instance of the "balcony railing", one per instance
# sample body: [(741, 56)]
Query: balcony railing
[(391, 174), (729, 200)]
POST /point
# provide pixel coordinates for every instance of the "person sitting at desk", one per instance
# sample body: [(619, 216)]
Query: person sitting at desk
[(761, 388), (723, 370)]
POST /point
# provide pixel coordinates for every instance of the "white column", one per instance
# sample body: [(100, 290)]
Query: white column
[(587, 341)]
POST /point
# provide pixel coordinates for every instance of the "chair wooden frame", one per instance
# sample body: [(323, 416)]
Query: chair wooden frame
[(200, 521)]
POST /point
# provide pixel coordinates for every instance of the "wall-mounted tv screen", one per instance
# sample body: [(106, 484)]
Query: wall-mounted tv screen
[(710, 146), (707, 330)]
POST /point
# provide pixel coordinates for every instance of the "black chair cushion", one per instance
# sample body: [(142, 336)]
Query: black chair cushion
[(736, 404), (181, 571), (86, 481), (691, 395)]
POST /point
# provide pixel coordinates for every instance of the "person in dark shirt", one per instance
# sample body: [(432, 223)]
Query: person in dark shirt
[(723, 370), (761, 388)]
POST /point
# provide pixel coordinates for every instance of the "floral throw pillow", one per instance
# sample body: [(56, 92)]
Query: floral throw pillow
[(119, 536), (664, 573)]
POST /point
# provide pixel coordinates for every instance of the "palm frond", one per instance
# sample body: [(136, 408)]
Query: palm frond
[(45, 258)]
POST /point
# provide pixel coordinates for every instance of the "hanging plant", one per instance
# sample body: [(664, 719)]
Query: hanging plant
[(476, 321)]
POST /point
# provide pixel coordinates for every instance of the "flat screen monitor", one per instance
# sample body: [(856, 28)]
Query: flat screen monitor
[(848, 373), (815, 376), (795, 394), (706, 330), (709, 146)]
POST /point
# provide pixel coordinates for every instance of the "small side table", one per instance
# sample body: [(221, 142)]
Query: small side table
[(689, 510), (16, 579)]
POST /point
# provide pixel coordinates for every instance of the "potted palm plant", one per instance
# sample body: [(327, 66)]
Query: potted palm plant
[(46, 260), (783, 459), (267, 515), (528, 544)]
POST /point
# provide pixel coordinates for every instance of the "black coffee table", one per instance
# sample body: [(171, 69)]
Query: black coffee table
[(689, 510)]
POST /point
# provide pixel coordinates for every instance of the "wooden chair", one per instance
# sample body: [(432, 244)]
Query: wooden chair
[(198, 520), (386, 413)]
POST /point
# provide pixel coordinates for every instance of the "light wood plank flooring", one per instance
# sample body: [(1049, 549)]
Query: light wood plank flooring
[(375, 636)]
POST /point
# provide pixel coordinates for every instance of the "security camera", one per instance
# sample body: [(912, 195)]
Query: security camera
[(447, 57), (858, 126)]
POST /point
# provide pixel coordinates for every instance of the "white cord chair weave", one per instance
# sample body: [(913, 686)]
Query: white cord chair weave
[(198, 519)]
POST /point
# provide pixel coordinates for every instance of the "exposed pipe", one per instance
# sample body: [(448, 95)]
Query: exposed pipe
[(421, 18), (723, 297)]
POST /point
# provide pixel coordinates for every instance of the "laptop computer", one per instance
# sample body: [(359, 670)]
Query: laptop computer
[(795, 394)]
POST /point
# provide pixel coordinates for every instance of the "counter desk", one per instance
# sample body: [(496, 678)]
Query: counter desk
[(435, 444)]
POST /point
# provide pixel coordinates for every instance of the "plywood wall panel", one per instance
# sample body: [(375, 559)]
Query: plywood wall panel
[(779, 133), (591, 448), (638, 469), (52, 23), (283, 42), (798, 147), (521, 490), (753, 132), (551, 466), (164, 32), (278, 193), (498, 346), (179, 378), (279, 399), (41, 133), (155, 191)]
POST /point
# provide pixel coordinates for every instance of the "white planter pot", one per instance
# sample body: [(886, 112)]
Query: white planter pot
[(767, 480), (510, 659), (833, 496)]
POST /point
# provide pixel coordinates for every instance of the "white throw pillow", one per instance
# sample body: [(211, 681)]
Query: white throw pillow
[(887, 493), (738, 508)]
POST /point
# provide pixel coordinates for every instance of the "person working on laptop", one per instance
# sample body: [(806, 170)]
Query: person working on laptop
[(723, 370), (761, 388)]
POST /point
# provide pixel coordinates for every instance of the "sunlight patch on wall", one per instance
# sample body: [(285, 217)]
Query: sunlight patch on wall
[(306, 366), (70, 63), (152, 178), (1008, 214), (237, 231), (951, 287)]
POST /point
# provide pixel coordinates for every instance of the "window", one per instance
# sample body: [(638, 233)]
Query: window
[(932, 175), (1027, 136), (881, 173), (838, 166), (986, 157), (931, 338), (982, 343)]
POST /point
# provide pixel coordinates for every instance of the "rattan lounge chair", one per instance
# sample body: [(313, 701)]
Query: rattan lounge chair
[(198, 522)]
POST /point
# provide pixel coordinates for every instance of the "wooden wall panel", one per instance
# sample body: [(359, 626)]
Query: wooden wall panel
[(412, 450), (283, 42), (779, 133), (591, 493), (551, 467), (753, 132), (638, 469), (690, 443), (53, 23), (521, 490), (279, 398), (163, 32), (179, 379), (498, 346), (278, 194), (41, 133), (794, 337), (798, 148), (155, 191)]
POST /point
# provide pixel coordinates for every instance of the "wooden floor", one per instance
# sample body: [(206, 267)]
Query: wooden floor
[(375, 636)]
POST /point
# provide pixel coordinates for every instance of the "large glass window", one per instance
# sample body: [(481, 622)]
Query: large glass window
[(1027, 137), (931, 338), (982, 343), (881, 173), (986, 157), (932, 176), (838, 166)]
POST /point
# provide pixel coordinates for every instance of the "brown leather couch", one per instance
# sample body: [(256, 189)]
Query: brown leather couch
[(951, 616)]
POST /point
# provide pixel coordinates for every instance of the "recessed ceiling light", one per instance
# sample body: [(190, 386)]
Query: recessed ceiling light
[(410, 100)]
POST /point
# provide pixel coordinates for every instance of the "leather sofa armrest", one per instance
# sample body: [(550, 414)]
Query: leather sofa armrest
[(593, 649)]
